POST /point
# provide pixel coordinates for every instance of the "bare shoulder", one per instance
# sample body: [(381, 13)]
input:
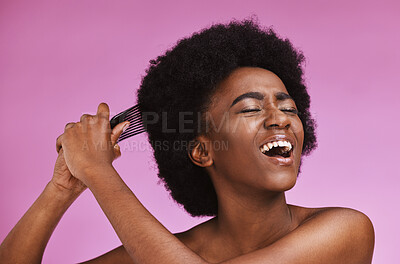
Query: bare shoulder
[(319, 235), (323, 214), (334, 232), (346, 219)]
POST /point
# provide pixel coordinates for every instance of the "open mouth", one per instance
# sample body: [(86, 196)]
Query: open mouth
[(277, 149)]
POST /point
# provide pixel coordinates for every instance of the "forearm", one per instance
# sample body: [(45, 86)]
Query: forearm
[(145, 239), (28, 239)]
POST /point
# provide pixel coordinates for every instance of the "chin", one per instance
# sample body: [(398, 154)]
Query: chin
[(281, 182)]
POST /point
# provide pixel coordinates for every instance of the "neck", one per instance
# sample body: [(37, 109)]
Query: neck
[(251, 222)]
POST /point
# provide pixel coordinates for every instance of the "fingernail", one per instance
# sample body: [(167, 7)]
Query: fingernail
[(125, 127)]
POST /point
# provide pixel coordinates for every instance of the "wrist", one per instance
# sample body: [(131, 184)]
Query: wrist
[(90, 175), (60, 193)]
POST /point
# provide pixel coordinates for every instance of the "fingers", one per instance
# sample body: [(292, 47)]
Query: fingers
[(117, 151), (86, 117), (103, 111), (58, 143), (117, 131), (69, 125), (59, 139), (61, 152)]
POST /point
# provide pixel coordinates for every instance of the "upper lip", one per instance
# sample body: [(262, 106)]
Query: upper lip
[(279, 137)]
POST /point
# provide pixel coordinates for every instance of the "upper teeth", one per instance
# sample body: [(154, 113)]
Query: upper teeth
[(267, 146)]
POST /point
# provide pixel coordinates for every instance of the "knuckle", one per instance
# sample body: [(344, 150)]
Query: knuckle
[(102, 116), (86, 117), (69, 125)]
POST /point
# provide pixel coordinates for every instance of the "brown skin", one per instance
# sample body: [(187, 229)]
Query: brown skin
[(254, 223), (253, 213), (252, 208), (27, 241)]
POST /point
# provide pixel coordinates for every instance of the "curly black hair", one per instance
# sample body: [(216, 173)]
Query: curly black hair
[(183, 81)]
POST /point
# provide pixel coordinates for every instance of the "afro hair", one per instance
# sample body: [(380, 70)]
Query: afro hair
[(183, 81)]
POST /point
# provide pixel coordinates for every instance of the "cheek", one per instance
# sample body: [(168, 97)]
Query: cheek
[(230, 146), (230, 163), (298, 130), (231, 151)]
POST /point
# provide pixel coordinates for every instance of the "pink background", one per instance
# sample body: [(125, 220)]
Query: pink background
[(59, 59)]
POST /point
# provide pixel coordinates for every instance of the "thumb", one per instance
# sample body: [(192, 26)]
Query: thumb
[(117, 131)]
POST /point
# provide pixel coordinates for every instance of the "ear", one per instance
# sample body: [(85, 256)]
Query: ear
[(199, 152)]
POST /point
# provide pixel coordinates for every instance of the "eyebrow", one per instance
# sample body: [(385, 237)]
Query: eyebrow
[(280, 96)]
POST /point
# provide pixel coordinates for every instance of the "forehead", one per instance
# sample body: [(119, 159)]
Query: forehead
[(248, 79)]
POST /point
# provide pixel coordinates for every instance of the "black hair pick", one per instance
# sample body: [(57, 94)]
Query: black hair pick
[(134, 117)]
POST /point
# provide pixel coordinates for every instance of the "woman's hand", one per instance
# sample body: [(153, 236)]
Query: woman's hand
[(63, 179), (87, 145)]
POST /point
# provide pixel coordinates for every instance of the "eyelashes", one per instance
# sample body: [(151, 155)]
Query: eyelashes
[(289, 110), (250, 110)]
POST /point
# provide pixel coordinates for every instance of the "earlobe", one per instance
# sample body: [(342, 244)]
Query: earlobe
[(199, 154)]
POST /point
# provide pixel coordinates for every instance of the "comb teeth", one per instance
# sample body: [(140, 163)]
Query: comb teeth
[(121, 117), (134, 117)]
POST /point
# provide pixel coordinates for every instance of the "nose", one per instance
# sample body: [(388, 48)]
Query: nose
[(276, 119)]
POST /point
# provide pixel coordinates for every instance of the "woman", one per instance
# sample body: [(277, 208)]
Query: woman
[(233, 124)]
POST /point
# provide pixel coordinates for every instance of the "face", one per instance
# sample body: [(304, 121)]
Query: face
[(255, 136)]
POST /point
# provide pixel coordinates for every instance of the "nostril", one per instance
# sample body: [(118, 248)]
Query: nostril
[(278, 121), (278, 126)]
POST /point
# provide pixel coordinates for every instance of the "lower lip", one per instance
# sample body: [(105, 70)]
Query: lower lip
[(281, 161)]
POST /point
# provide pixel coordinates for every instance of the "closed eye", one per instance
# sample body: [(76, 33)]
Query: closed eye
[(250, 110), (291, 110)]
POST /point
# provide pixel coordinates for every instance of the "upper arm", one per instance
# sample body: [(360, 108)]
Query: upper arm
[(337, 235), (117, 255)]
